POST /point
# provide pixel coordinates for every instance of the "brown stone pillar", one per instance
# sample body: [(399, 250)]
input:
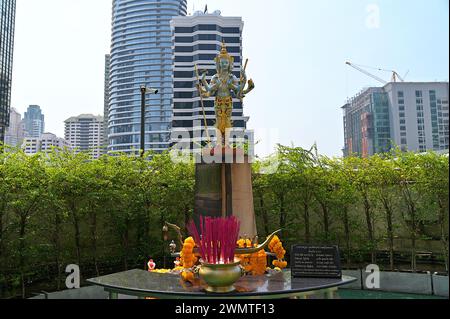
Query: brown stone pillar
[(226, 187), (242, 193)]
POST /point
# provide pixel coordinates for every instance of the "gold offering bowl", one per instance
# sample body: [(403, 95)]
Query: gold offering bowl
[(221, 278)]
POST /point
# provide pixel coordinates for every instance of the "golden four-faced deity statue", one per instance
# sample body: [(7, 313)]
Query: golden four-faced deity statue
[(225, 86)]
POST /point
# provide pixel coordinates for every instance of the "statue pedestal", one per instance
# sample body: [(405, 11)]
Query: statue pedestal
[(224, 188)]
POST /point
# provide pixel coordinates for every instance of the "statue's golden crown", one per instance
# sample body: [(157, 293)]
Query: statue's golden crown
[(224, 54)]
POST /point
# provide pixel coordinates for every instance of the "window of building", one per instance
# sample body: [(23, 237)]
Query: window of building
[(207, 27), (183, 59), (183, 49)]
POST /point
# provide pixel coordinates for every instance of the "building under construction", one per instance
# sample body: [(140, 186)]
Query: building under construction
[(410, 115)]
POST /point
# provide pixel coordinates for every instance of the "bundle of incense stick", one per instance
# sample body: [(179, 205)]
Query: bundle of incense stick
[(216, 238)]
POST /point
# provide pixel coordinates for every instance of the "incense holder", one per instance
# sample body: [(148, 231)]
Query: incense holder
[(220, 278)]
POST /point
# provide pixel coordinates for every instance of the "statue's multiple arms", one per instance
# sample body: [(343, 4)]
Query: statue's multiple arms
[(209, 89), (203, 80), (240, 90), (250, 87), (235, 84), (242, 82)]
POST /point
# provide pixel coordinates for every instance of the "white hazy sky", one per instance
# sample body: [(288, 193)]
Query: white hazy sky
[(297, 51)]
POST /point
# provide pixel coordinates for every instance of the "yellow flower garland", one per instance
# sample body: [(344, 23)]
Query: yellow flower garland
[(245, 259), (256, 263), (188, 259), (161, 271), (276, 247)]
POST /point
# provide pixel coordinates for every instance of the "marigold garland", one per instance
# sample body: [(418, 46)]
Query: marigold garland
[(276, 247), (244, 243), (245, 258), (256, 263), (187, 275), (162, 271), (188, 259)]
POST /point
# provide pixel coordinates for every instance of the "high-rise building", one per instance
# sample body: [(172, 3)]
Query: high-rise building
[(410, 115), (15, 132), (49, 141), (106, 103), (34, 122), (31, 145), (197, 41), (85, 134), (141, 54), (45, 144), (7, 21)]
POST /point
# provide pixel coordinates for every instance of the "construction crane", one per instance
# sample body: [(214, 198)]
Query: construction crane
[(395, 76)]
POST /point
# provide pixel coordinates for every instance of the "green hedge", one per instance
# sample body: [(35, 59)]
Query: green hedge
[(107, 214)]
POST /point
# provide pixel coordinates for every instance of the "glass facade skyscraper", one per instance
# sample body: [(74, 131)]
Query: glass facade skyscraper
[(141, 53), (7, 19), (34, 121), (106, 104)]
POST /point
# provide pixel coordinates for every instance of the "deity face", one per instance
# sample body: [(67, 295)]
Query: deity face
[(224, 64)]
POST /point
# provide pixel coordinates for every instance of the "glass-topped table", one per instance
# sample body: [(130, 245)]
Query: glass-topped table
[(144, 284)]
